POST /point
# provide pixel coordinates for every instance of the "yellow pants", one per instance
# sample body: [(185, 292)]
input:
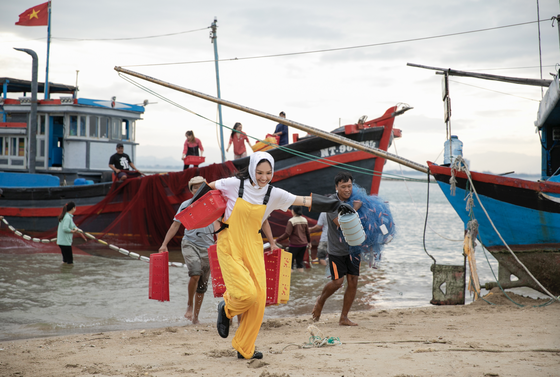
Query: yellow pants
[(240, 253)]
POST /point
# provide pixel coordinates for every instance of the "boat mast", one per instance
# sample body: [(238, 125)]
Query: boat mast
[(32, 134), (214, 38), (311, 130)]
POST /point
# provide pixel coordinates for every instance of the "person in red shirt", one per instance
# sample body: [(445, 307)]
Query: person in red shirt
[(238, 139), (193, 147)]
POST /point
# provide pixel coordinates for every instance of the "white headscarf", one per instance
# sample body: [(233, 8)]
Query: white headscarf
[(253, 162)]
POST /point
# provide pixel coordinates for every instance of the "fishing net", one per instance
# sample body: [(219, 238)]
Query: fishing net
[(140, 210), (378, 224)]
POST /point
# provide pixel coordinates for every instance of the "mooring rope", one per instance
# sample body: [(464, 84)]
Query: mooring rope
[(316, 340), (90, 236), (459, 165)]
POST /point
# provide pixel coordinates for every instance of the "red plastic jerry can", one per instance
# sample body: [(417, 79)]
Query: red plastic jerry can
[(204, 211), (159, 276)]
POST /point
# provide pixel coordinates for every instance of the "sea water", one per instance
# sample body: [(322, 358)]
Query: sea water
[(106, 291)]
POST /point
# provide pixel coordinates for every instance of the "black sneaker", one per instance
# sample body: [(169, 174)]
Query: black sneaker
[(256, 355), (223, 320)]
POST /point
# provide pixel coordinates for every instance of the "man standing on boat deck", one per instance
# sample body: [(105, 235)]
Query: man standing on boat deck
[(282, 131), (120, 163), (194, 247), (341, 262)]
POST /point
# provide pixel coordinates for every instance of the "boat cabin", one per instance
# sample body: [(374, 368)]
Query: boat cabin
[(548, 125), (75, 136)]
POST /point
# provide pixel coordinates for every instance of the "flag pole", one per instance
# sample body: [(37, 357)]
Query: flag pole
[(48, 53)]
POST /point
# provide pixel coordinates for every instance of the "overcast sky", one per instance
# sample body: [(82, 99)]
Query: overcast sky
[(494, 120)]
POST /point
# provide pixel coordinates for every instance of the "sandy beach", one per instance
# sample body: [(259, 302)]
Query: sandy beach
[(477, 339)]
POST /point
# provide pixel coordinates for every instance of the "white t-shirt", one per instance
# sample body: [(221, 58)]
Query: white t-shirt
[(322, 221), (279, 199)]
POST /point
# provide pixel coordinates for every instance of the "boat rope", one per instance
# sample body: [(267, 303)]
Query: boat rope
[(90, 236), (460, 165), (310, 157), (468, 251), (427, 203), (316, 340)]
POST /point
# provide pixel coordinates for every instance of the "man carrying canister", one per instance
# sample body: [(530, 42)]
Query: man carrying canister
[(341, 262)]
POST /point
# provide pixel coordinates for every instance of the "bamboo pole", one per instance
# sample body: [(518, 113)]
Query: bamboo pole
[(487, 76), (311, 130)]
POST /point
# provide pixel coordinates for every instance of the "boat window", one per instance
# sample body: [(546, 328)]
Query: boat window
[(6, 147), (116, 130), (93, 126), (41, 148), (18, 146), (17, 117), (21, 146), (82, 121), (1, 145), (13, 149), (41, 125), (73, 125), (125, 129), (104, 128)]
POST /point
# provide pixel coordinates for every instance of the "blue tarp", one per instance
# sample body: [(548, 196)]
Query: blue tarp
[(28, 180)]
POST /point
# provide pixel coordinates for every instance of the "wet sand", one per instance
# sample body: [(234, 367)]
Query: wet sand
[(472, 340)]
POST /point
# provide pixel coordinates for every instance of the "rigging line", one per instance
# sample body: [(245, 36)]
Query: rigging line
[(458, 162), (496, 91), (107, 39), (426, 220), (501, 69), (355, 169), (127, 39), (486, 252), (343, 48), (540, 47), (427, 206)]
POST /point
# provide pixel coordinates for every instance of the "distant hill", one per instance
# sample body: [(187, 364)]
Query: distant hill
[(158, 163)]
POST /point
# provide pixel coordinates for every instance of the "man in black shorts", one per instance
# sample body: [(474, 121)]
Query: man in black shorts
[(341, 262)]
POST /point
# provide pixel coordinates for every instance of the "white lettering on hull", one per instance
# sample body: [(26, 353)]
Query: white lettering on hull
[(331, 151)]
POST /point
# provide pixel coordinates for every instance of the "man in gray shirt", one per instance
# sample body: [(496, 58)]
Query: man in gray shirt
[(341, 262), (194, 246)]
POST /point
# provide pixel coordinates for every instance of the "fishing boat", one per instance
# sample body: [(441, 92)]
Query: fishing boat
[(518, 220), (305, 165), (76, 136)]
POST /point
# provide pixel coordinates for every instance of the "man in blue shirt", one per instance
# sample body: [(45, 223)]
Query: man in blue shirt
[(282, 131)]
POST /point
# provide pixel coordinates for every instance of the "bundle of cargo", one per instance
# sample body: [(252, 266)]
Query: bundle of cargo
[(269, 142)]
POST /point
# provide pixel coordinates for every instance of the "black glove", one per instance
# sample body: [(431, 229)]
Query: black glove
[(320, 203), (201, 191), (345, 208)]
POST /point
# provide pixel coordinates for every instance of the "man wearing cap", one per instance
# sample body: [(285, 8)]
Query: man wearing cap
[(120, 163), (282, 131), (194, 246)]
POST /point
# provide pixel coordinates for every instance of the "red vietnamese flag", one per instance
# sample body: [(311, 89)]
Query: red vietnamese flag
[(36, 16)]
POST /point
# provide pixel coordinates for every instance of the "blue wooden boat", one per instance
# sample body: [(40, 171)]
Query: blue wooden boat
[(525, 213)]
